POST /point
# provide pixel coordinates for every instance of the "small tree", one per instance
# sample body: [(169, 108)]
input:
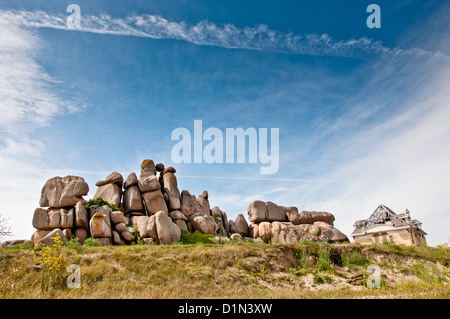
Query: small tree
[(5, 230)]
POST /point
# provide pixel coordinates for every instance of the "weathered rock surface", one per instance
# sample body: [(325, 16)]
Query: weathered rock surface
[(151, 228), (67, 233), (54, 217), (154, 202), (189, 203), (170, 169), (105, 210), (236, 237), (51, 237), (121, 227), (259, 211), (131, 180), (81, 234), (132, 200), (181, 223), (332, 233), (111, 193), (117, 238), (148, 182), (117, 217), (176, 214), (310, 217), (168, 232), (202, 223), (41, 219), (275, 212), (113, 178), (171, 189), (38, 235), (253, 230), (216, 212), (265, 231), (226, 222), (219, 219), (67, 218), (127, 236), (204, 204), (141, 223), (81, 216), (99, 226), (239, 226), (63, 191), (288, 233), (148, 166)]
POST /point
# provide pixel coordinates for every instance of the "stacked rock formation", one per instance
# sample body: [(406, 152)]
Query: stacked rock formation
[(132, 197), (110, 189), (150, 188), (274, 223), (64, 215), (150, 209)]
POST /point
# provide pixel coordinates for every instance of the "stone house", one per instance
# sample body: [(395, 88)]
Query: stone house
[(386, 226)]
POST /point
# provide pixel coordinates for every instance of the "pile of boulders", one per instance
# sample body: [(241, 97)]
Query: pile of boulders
[(150, 209), (274, 223), (66, 214)]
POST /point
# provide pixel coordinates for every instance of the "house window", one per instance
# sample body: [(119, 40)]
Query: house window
[(385, 238)]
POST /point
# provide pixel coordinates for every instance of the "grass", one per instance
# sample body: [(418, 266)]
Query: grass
[(199, 268), (89, 242), (197, 238), (440, 254)]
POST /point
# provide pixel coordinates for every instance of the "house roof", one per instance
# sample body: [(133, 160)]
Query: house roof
[(384, 214)]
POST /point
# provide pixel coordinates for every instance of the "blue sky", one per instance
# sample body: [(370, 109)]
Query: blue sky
[(362, 113)]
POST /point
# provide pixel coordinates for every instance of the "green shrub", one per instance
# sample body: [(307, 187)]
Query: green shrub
[(188, 238), (323, 259), (318, 279), (137, 237), (315, 256), (25, 246), (297, 272), (91, 242), (100, 202), (73, 243), (53, 261), (353, 259), (443, 254), (300, 259)]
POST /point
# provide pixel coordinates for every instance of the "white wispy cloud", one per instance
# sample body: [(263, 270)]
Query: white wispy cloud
[(393, 137), (389, 138), (259, 37), (28, 101)]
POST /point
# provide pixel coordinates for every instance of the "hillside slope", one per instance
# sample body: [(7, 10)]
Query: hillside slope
[(233, 270)]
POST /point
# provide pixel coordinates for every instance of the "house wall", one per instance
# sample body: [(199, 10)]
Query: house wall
[(407, 237)]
